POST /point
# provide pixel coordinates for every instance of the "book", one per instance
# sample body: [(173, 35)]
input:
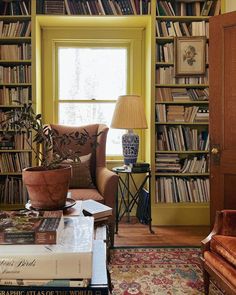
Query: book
[(30, 227), (46, 283), (71, 258), (96, 209), (140, 167), (99, 281)]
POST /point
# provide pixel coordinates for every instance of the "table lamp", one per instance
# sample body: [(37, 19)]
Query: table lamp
[(129, 114)]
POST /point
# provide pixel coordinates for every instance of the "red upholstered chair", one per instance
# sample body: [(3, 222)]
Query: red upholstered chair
[(104, 182), (219, 253)]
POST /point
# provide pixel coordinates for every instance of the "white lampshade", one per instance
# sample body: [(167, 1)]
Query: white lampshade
[(129, 113)]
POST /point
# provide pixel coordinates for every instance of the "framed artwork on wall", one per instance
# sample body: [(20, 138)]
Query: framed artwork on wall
[(190, 56)]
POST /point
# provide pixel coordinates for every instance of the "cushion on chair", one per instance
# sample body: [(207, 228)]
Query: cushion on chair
[(225, 246), (222, 266), (81, 173), (86, 194)]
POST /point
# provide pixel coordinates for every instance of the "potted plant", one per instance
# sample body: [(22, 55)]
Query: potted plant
[(47, 184)]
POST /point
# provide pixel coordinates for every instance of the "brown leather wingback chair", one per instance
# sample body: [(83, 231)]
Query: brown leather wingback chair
[(219, 253), (105, 181)]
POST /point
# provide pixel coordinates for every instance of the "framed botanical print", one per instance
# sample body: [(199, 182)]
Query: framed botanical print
[(190, 56)]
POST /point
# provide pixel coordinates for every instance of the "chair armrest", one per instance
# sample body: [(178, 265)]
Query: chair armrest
[(205, 243), (107, 184)]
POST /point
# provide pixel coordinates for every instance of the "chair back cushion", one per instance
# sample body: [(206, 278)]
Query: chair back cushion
[(98, 153), (81, 173)]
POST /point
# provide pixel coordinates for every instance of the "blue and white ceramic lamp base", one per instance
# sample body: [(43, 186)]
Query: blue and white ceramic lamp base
[(130, 145)]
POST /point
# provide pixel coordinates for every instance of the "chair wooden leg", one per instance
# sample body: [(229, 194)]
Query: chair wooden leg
[(206, 281)]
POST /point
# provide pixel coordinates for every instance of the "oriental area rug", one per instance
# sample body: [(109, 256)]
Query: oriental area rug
[(161, 271)]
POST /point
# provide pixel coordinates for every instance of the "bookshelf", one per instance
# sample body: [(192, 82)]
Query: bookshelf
[(181, 117), (15, 85), (161, 95)]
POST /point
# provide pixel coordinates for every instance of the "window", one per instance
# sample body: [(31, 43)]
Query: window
[(85, 70), (90, 79)]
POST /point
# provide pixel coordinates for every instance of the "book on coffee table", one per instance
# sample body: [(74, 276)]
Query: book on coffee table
[(30, 227), (70, 258), (98, 284), (96, 209)]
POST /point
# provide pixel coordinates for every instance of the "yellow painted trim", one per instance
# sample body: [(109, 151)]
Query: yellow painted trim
[(181, 214), (223, 6)]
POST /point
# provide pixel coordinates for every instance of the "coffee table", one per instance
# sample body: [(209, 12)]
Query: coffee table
[(100, 282)]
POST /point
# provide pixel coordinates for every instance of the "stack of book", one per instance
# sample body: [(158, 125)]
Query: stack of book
[(54, 7), (46, 251), (181, 94), (98, 211), (140, 167), (176, 113), (168, 163)]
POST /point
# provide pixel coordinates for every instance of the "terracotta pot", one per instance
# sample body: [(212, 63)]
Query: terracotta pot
[(47, 189)]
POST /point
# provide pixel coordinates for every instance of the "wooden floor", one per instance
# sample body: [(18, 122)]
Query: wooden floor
[(136, 234)]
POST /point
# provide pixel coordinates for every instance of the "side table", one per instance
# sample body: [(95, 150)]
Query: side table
[(130, 198)]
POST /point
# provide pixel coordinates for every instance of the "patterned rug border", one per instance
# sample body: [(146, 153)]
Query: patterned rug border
[(155, 247)]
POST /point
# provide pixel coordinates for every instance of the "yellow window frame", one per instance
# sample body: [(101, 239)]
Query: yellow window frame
[(53, 37)]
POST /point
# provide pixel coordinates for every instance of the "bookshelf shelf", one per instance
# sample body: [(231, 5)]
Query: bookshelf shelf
[(23, 61), (182, 152), (10, 174), (15, 151), (166, 64), (161, 64), (15, 39), (7, 106), (181, 174), (184, 102), (182, 18), (164, 39), (15, 84), (183, 205), (182, 85), (15, 17), (182, 123)]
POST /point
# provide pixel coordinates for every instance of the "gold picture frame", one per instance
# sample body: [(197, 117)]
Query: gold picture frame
[(190, 56)]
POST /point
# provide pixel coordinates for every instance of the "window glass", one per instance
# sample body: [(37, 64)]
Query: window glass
[(87, 113), (90, 81)]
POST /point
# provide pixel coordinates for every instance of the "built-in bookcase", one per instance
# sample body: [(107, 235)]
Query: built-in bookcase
[(181, 109), (177, 106), (15, 85)]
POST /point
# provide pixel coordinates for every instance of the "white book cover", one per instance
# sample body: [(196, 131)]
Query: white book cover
[(70, 258), (96, 209)]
